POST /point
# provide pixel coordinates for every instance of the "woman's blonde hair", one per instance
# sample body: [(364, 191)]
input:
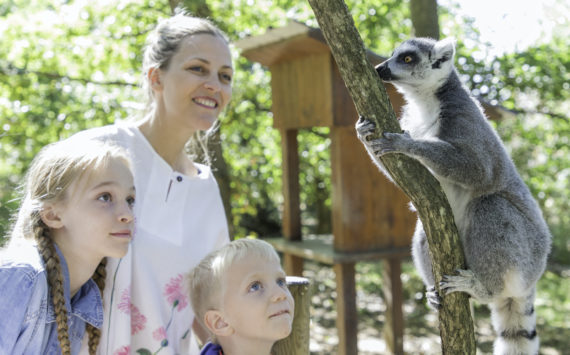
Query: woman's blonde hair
[(48, 179), (161, 45), (205, 279)]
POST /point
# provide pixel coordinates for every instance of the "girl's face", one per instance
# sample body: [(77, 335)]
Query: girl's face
[(96, 218), (197, 85)]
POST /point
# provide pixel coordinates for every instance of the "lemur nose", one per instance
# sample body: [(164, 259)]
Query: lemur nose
[(383, 71)]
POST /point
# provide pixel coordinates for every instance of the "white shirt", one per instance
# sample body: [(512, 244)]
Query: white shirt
[(179, 220)]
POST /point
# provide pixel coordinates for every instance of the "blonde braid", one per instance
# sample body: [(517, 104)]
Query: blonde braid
[(99, 277), (55, 282)]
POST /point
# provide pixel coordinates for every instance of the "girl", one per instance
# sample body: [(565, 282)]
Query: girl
[(76, 210), (188, 74)]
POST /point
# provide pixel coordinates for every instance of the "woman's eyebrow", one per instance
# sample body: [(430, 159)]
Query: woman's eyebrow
[(205, 61)]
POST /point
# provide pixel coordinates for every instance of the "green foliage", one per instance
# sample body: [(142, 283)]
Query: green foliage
[(64, 68)]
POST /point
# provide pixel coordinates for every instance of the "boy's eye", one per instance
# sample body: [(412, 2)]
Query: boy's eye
[(105, 197), (282, 282), (255, 286)]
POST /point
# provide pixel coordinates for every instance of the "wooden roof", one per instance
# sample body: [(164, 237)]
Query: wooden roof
[(287, 43)]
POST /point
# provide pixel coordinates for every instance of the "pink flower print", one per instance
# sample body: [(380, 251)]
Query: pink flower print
[(175, 293), (160, 335), (125, 350), (138, 320), (125, 304)]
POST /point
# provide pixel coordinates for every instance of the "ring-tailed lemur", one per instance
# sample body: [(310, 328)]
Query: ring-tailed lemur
[(503, 233)]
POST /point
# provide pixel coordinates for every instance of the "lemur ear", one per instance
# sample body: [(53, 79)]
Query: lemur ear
[(216, 323), (443, 51)]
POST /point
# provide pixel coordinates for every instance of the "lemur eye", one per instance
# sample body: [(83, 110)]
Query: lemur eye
[(407, 59)]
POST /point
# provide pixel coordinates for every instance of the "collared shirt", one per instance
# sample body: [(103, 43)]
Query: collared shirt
[(212, 349), (27, 319)]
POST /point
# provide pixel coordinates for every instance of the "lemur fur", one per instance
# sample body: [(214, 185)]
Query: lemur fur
[(502, 231)]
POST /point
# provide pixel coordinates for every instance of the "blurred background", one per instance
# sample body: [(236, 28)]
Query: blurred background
[(71, 65)]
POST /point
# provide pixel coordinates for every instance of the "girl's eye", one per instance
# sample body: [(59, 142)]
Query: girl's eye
[(131, 201), (282, 282), (105, 197), (255, 286)]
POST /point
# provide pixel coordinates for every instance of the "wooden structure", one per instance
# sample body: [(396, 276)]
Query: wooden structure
[(370, 216), (297, 343)]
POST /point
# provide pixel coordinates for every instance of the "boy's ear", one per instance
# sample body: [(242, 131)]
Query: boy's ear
[(50, 216), (154, 78), (216, 324)]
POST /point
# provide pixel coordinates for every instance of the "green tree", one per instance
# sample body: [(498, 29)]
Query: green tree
[(65, 67)]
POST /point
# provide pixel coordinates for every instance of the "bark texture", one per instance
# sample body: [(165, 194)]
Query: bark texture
[(371, 100), (424, 18)]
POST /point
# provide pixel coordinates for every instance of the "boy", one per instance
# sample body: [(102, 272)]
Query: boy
[(240, 296)]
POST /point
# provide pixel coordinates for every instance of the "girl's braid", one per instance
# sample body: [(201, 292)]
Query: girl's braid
[(94, 333), (55, 282)]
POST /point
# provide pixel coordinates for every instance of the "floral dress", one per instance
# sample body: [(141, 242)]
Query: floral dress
[(179, 220)]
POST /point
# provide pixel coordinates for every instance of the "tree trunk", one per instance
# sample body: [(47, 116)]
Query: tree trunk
[(371, 101), (424, 18)]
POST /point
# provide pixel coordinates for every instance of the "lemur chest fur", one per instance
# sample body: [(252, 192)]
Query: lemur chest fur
[(421, 117)]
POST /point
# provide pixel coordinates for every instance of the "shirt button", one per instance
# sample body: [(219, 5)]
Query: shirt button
[(179, 178)]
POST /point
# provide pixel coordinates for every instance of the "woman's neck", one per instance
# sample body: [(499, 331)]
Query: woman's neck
[(169, 143)]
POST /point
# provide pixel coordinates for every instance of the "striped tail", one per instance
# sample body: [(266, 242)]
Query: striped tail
[(514, 321)]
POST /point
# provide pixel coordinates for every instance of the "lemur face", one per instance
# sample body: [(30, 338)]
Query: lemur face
[(418, 62)]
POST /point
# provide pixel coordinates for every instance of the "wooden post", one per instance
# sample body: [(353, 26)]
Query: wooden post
[(293, 265), (394, 325), (347, 319), (297, 343)]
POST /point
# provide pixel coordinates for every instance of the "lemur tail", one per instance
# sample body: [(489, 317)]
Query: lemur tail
[(514, 321)]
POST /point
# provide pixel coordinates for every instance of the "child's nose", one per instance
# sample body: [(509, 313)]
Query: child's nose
[(126, 214), (279, 294)]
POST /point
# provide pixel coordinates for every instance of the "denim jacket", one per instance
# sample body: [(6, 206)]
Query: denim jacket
[(27, 319)]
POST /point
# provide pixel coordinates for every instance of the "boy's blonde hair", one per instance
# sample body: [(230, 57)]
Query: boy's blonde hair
[(48, 179), (205, 279)]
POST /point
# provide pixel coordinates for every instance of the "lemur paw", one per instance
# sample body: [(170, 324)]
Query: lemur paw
[(364, 129), (433, 299), (389, 143), (462, 282)]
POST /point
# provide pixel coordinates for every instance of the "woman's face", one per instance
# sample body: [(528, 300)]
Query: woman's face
[(197, 85)]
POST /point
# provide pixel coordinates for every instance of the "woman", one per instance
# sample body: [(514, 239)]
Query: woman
[(180, 217)]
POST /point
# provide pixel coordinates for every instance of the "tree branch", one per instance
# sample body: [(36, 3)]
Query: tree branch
[(371, 101), (12, 70)]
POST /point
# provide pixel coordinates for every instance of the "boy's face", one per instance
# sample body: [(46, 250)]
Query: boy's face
[(257, 303)]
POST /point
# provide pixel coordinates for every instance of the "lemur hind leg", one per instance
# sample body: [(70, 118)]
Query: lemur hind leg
[(466, 281)]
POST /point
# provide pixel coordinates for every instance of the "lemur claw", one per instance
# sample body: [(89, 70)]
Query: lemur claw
[(456, 283), (433, 298), (364, 129)]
